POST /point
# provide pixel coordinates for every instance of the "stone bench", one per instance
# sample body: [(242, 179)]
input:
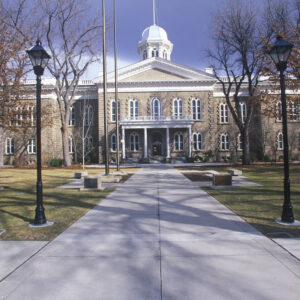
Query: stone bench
[(235, 172), (92, 182), (222, 180)]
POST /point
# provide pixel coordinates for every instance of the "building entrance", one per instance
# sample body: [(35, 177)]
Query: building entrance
[(156, 149)]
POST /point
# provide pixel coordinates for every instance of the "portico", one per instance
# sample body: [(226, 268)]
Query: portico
[(156, 134)]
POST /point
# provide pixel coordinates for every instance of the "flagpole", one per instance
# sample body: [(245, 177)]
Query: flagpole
[(105, 90), (116, 89)]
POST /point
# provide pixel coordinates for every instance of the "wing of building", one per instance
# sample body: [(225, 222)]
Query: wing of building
[(167, 111)]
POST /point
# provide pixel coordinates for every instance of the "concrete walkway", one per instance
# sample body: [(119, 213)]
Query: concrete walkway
[(158, 236)]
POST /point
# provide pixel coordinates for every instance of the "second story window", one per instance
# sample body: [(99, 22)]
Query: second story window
[(72, 116), (292, 111), (278, 111), (19, 116), (155, 109), (196, 107), (134, 109), (88, 118), (224, 118), (113, 110), (177, 108), (31, 115)]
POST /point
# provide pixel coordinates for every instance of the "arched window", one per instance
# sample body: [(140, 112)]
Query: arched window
[(89, 111), (196, 106), (279, 111), (154, 52), (197, 141), (243, 109), (224, 142), (113, 110), (178, 141), (155, 109), (280, 141), (72, 116), (31, 148), (224, 113), (134, 109), (177, 108), (9, 146), (134, 142), (145, 54), (71, 146), (113, 142)]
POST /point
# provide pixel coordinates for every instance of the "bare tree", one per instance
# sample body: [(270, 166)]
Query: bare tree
[(238, 61), (71, 35)]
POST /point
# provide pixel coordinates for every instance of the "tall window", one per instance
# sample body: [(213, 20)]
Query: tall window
[(71, 146), (134, 142), (279, 111), (224, 142), (89, 111), (19, 116), (178, 141), (31, 115), (243, 109), (154, 52), (224, 113), (240, 142), (134, 109), (72, 116), (196, 106), (113, 142), (155, 109), (31, 148), (88, 144), (145, 54), (292, 111), (197, 141), (9, 146), (113, 110), (280, 141), (177, 108)]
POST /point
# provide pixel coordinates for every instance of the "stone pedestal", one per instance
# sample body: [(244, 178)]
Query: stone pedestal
[(222, 180), (80, 175), (92, 182), (235, 172)]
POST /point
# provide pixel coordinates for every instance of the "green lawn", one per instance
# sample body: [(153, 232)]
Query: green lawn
[(63, 207), (260, 206)]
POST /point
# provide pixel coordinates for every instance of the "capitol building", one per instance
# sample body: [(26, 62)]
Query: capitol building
[(168, 112)]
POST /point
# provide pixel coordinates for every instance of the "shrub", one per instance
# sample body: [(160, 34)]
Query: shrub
[(55, 162)]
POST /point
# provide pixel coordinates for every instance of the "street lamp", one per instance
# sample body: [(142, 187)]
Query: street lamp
[(280, 53), (39, 59)]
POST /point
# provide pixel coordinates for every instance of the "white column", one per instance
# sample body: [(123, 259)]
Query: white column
[(190, 142), (145, 143), (123, 143), (168, 142)]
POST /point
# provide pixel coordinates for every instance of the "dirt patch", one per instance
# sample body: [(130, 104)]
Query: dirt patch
[(195, 176)]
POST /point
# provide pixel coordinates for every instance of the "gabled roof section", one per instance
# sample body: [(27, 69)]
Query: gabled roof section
[(174, 71)]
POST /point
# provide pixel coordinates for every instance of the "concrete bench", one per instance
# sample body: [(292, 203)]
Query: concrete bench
[(235, 172), (92, 182), (222, 180)]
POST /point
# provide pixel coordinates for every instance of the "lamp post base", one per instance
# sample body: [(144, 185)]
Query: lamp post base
[(48, 223)]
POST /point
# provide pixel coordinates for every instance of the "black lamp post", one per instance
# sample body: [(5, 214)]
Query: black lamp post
[(280, 53), (39, 59)]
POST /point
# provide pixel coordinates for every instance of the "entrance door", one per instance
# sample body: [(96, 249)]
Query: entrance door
[(156, 149)]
